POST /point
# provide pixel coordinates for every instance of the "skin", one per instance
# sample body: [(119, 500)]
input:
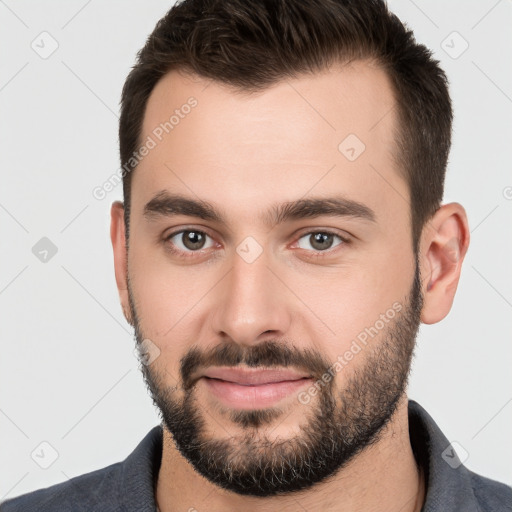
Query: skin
[(243, 153)]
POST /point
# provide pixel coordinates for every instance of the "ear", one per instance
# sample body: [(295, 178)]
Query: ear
[(444, 243), (118, 237)]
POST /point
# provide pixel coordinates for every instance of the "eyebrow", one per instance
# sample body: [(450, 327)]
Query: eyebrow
[(165, 204)]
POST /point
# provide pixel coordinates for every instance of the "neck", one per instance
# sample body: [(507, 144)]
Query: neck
[(383, 477)]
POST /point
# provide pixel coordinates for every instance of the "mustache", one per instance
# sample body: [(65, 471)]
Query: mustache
[(268, 354)]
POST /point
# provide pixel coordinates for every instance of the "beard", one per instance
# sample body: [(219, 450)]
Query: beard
[(340, 423)]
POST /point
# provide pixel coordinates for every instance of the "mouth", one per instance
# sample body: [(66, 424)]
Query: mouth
[(253, 388)]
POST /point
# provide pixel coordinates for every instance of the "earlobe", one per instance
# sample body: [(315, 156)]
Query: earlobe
[(118, 238), (445, 241)]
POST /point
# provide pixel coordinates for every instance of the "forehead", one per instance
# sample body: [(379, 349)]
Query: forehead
[(332, 129), (356, 97)]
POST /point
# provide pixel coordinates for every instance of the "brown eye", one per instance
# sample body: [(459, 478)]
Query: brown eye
[(189, 240), (320, 240), (193, 240)]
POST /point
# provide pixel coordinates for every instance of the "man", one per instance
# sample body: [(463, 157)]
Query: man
[(281, 239)]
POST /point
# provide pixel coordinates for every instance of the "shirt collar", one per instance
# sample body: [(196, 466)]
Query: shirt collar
[(140, 472), (447, 482)]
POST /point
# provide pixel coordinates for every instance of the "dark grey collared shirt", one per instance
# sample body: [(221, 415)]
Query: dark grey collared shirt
[(129, 485)]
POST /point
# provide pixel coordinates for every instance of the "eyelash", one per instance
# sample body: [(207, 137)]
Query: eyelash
[(314, 254)]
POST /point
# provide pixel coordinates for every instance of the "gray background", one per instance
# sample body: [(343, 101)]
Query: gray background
[(68, 373)]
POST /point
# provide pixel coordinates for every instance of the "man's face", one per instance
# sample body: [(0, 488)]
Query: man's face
[(328, 298)]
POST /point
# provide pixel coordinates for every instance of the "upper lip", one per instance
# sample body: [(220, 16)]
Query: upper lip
[(254, 376)]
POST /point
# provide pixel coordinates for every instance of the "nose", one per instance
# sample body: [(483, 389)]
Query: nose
[(251, 303)]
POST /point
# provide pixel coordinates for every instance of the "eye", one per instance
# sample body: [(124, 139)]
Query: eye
[(189, 240), (320, 240)]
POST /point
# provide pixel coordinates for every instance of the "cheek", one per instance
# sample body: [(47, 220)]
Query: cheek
[(352, 301), (164, 292), (167, 301)]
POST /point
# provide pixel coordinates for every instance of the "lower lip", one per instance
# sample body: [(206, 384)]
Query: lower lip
[(253, 397)]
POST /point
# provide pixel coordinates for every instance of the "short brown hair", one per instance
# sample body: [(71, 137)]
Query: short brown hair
[(253, 44)]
